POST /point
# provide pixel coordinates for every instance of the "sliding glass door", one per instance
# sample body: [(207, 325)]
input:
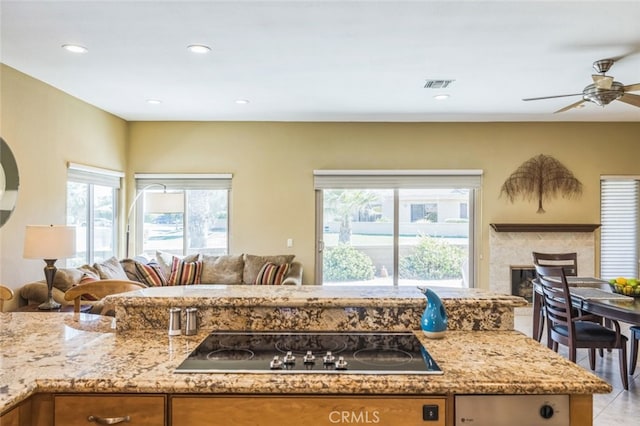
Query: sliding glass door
[(395, 230)]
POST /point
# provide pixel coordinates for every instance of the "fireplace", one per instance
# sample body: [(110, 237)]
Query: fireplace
[(522, 281), (511, 247)]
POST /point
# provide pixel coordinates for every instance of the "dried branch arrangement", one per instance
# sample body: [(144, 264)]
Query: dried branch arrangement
[(542, 177)]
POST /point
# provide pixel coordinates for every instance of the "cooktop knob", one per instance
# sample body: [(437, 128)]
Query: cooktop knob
[(275, 363), (329, 358), (341, 364), (289, 358), (309, 358)]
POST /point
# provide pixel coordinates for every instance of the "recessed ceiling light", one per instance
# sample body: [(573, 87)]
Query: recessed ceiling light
[(154, 101), (242, 101), (75, 48), (441, 97), (199, 48)]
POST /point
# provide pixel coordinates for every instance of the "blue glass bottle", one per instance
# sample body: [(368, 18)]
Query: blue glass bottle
[(434, 318)]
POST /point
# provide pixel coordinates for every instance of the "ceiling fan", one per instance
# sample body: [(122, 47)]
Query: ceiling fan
[(603, 91)]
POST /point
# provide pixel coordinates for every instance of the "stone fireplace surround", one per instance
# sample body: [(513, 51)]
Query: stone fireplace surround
[(512, 245)]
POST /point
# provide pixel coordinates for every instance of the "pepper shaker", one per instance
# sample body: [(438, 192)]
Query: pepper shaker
[(175, 326), (191, 326)]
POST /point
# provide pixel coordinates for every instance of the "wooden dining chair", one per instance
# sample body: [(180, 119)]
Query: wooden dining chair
[(635, 336), (566, 326), (6, 294), (96, 290), (569, 262)]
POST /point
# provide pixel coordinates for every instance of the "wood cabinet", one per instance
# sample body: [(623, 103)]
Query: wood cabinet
[(11, 418), (250, 410), (101, 409), (37, 410)]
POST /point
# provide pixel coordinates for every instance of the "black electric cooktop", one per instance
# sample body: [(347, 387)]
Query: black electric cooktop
[(310, 352)]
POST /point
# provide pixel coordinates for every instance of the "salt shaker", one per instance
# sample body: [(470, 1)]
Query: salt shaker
[(191, 326), (175, 327)]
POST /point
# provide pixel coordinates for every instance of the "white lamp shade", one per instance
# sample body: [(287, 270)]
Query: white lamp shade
[(164, 202), (49, 242)]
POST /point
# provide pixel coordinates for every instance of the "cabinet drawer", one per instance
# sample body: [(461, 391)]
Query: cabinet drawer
[(254, 410), (72, 410)]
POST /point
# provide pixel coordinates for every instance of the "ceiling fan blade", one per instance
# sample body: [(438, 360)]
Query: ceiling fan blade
[(602, 81), (632, 87), (630, 99), (551, 97), (568, 107)]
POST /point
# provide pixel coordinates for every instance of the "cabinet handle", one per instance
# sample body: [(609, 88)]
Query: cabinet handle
[(109, 420)]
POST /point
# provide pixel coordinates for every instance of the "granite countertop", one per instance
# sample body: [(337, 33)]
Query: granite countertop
[(338, 308), (308, 296), (67, 352)]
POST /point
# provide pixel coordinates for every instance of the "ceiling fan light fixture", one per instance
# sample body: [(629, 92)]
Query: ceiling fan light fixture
[(602, 97)]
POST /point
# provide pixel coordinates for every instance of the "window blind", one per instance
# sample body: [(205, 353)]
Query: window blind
[(619, 228), (185, 181), (392, 179), (93, 175)]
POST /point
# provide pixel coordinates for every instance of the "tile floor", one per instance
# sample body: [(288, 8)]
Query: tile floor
[(617, 408)]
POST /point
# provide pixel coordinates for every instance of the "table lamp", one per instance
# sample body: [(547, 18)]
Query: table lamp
[(49, 243)]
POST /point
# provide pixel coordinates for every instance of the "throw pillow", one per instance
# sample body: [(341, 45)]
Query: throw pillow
[(253, 264), (225, 269), (65, 278), (87, 278), (272, 274), (184, 273), (88, 270), (150, 274), (111, 269), (165, 260), (129, 267)]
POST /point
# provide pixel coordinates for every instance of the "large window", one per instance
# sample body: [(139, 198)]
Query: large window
[(182, 214), (619, 226), (395, 228), (92, 200)]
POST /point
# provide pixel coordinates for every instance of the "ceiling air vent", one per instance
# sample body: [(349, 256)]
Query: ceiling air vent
[(437, 84)]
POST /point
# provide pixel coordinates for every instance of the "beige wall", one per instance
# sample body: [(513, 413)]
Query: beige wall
[(46, 128), (273, 163)]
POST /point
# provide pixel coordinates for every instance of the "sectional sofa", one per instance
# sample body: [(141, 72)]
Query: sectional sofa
[(167, 269)]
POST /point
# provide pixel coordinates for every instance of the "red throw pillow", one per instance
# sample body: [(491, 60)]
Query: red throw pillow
[(86, 278)]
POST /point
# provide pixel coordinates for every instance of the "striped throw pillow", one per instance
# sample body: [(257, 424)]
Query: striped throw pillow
[(151, 274), (272, 274), (184, 273)]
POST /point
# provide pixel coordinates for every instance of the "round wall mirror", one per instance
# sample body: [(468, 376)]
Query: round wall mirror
[(9, 182)]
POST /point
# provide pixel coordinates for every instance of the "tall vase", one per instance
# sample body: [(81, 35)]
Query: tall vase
[(434, 318)]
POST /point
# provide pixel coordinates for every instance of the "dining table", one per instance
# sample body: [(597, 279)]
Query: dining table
[(624, 309)]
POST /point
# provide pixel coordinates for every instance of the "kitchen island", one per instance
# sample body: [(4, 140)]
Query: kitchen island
[(353, 308), (50, 360)]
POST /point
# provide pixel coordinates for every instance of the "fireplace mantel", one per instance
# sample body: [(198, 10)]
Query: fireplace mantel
[(544, 227)]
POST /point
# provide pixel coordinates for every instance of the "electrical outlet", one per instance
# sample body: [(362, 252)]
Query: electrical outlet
[(289, 242)]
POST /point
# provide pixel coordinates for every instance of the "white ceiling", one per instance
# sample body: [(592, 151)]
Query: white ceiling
[(328, 60)]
